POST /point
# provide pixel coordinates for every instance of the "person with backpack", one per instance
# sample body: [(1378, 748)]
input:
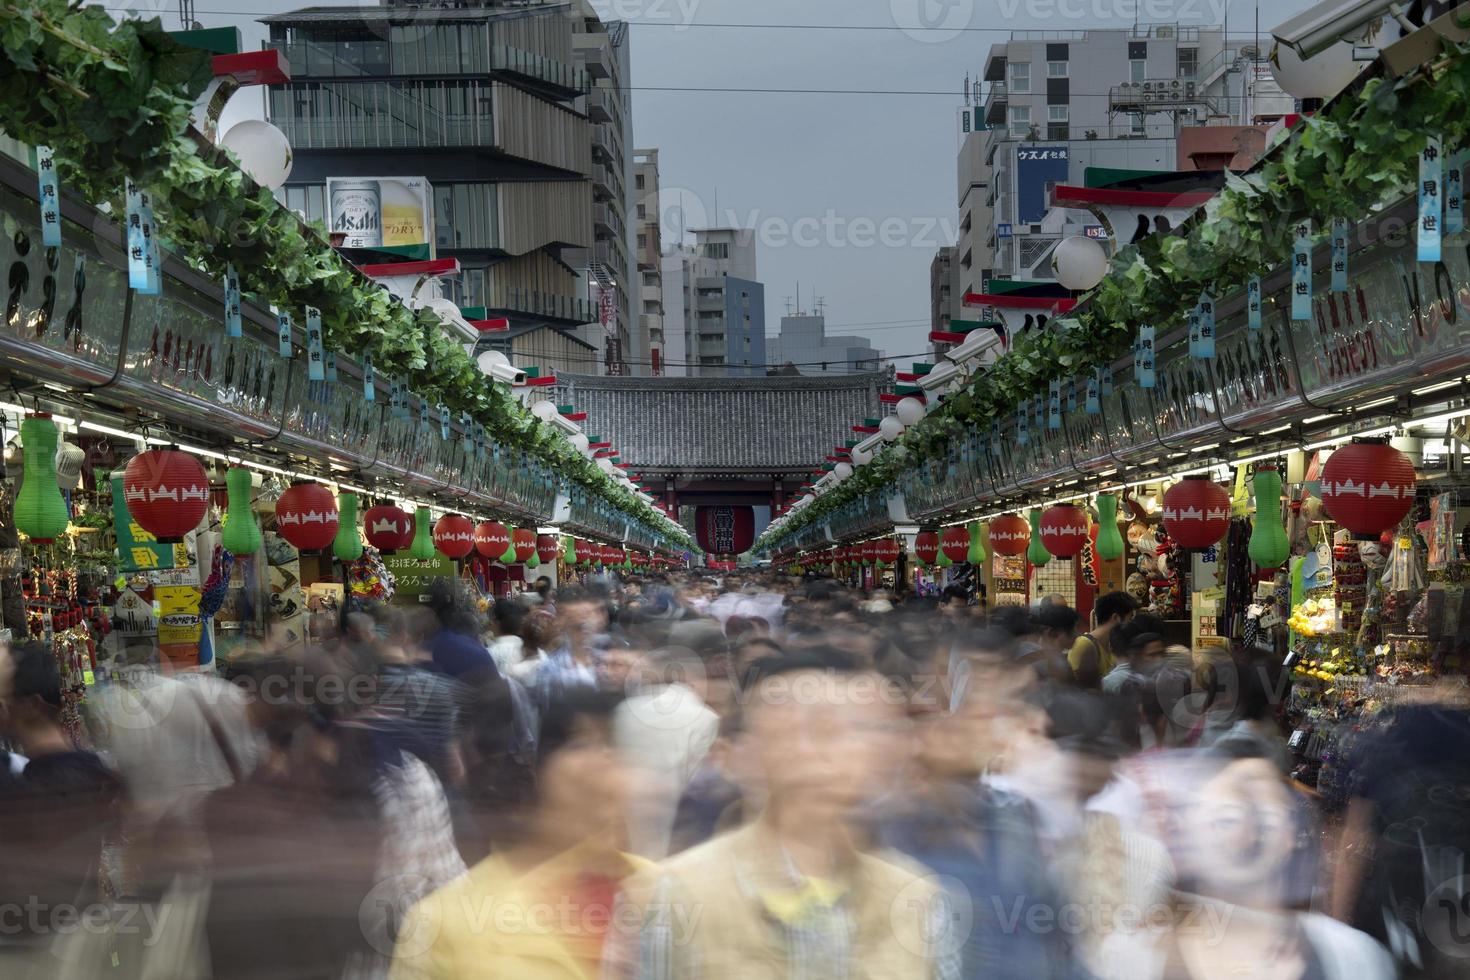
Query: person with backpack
[(1091, 658)]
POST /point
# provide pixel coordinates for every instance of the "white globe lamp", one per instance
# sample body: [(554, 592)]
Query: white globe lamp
[(544, 410), (605, 464), (262, 149), (580, 442), (861, 457), (890, 428), (911, 411), (1079, 262), (842, 471)]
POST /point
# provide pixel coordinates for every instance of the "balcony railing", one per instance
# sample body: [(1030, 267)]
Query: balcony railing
[(534, 302)]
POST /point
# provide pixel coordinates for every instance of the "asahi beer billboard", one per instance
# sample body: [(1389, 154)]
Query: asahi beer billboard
[(377, 212)]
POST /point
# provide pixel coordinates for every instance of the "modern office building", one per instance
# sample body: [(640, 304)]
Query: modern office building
[(648, 331), (724, 305), (602, 51), (1082, 108), (803, 343), (482, 133)]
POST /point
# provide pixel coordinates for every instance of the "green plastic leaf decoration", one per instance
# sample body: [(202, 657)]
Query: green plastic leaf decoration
[(976, 554), (1269, 546), (40, 511), (423, 538), (1109, 538), (240, 534), (347, 546), (1036, 552)]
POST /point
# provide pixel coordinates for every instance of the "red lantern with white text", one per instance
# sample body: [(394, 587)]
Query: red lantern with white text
[(1010, 534), (889, 550), (167, 493), (1064, 530), (388, 528), (955, 543), (926, 546), (306, 516), (454, 536), (523, 540), (870, 552), (548, 549), (491, 539), (1368, 487), (1196, 513)]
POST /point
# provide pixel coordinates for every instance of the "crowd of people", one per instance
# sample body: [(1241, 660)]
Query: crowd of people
[(683, 776)]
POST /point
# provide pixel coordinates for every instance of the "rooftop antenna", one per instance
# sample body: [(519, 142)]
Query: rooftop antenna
[(788, 306), (967, 88), (821, 305)]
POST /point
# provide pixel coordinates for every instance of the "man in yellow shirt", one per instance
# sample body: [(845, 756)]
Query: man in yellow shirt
[(1092, 656)]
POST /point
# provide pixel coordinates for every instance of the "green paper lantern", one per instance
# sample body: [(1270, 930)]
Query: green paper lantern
[(534, 561), (40, 511), (347, 546), (569, 550), (943, 561), (423, 538), (976, 555), (1268, 545), (1109, 538), (509, 558), (1036, 552), (240, 534)]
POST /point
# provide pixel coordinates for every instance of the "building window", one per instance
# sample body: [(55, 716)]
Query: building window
[(1137, 70), (1056, 69), (1020, 77), (1020, 119), (747, 343), (717, 250), (642, 241), (642, 212), (1056, 122), (1140, 127), (638, 181), (1056, 113), (1188, 63)]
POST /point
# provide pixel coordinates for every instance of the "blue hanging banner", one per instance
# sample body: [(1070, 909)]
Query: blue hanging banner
[(1206, 347), (49, 196), (425, 413), (1071, 405), (1339, 255), (316, 355), (1054, 405), (1023, 419), (139, 255), (1253, 303), (1041, 422), (1094, 403), (154, 262), (233, 325), (1301, 271), (332, 366), (1107, 381), (443, 421), (995, 439), (1145, 358), (1194, 321), (283, 334), (392, 398), (1454, 194), (1431, 201), (369, 379)]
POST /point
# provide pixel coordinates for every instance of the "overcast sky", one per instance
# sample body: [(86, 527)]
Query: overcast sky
[(851, 193)]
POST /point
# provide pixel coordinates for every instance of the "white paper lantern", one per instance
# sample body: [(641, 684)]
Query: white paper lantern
[(890, 428), (544, 410), (911, 411), (1079, 262), (1319, 77), (842, 471), (263, 151)]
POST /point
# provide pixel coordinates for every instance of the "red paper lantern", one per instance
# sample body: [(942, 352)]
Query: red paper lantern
[(724, 530), (548, 549), (586, 551), (1010, 534), (869, 552), (955, 543), (1196, 513), (388, 528), (491, 539), (167, 493), (523, 540), (306, 516), (1368, 487), (1064, 530), (888, 550), (454, 536), (926, 546)]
